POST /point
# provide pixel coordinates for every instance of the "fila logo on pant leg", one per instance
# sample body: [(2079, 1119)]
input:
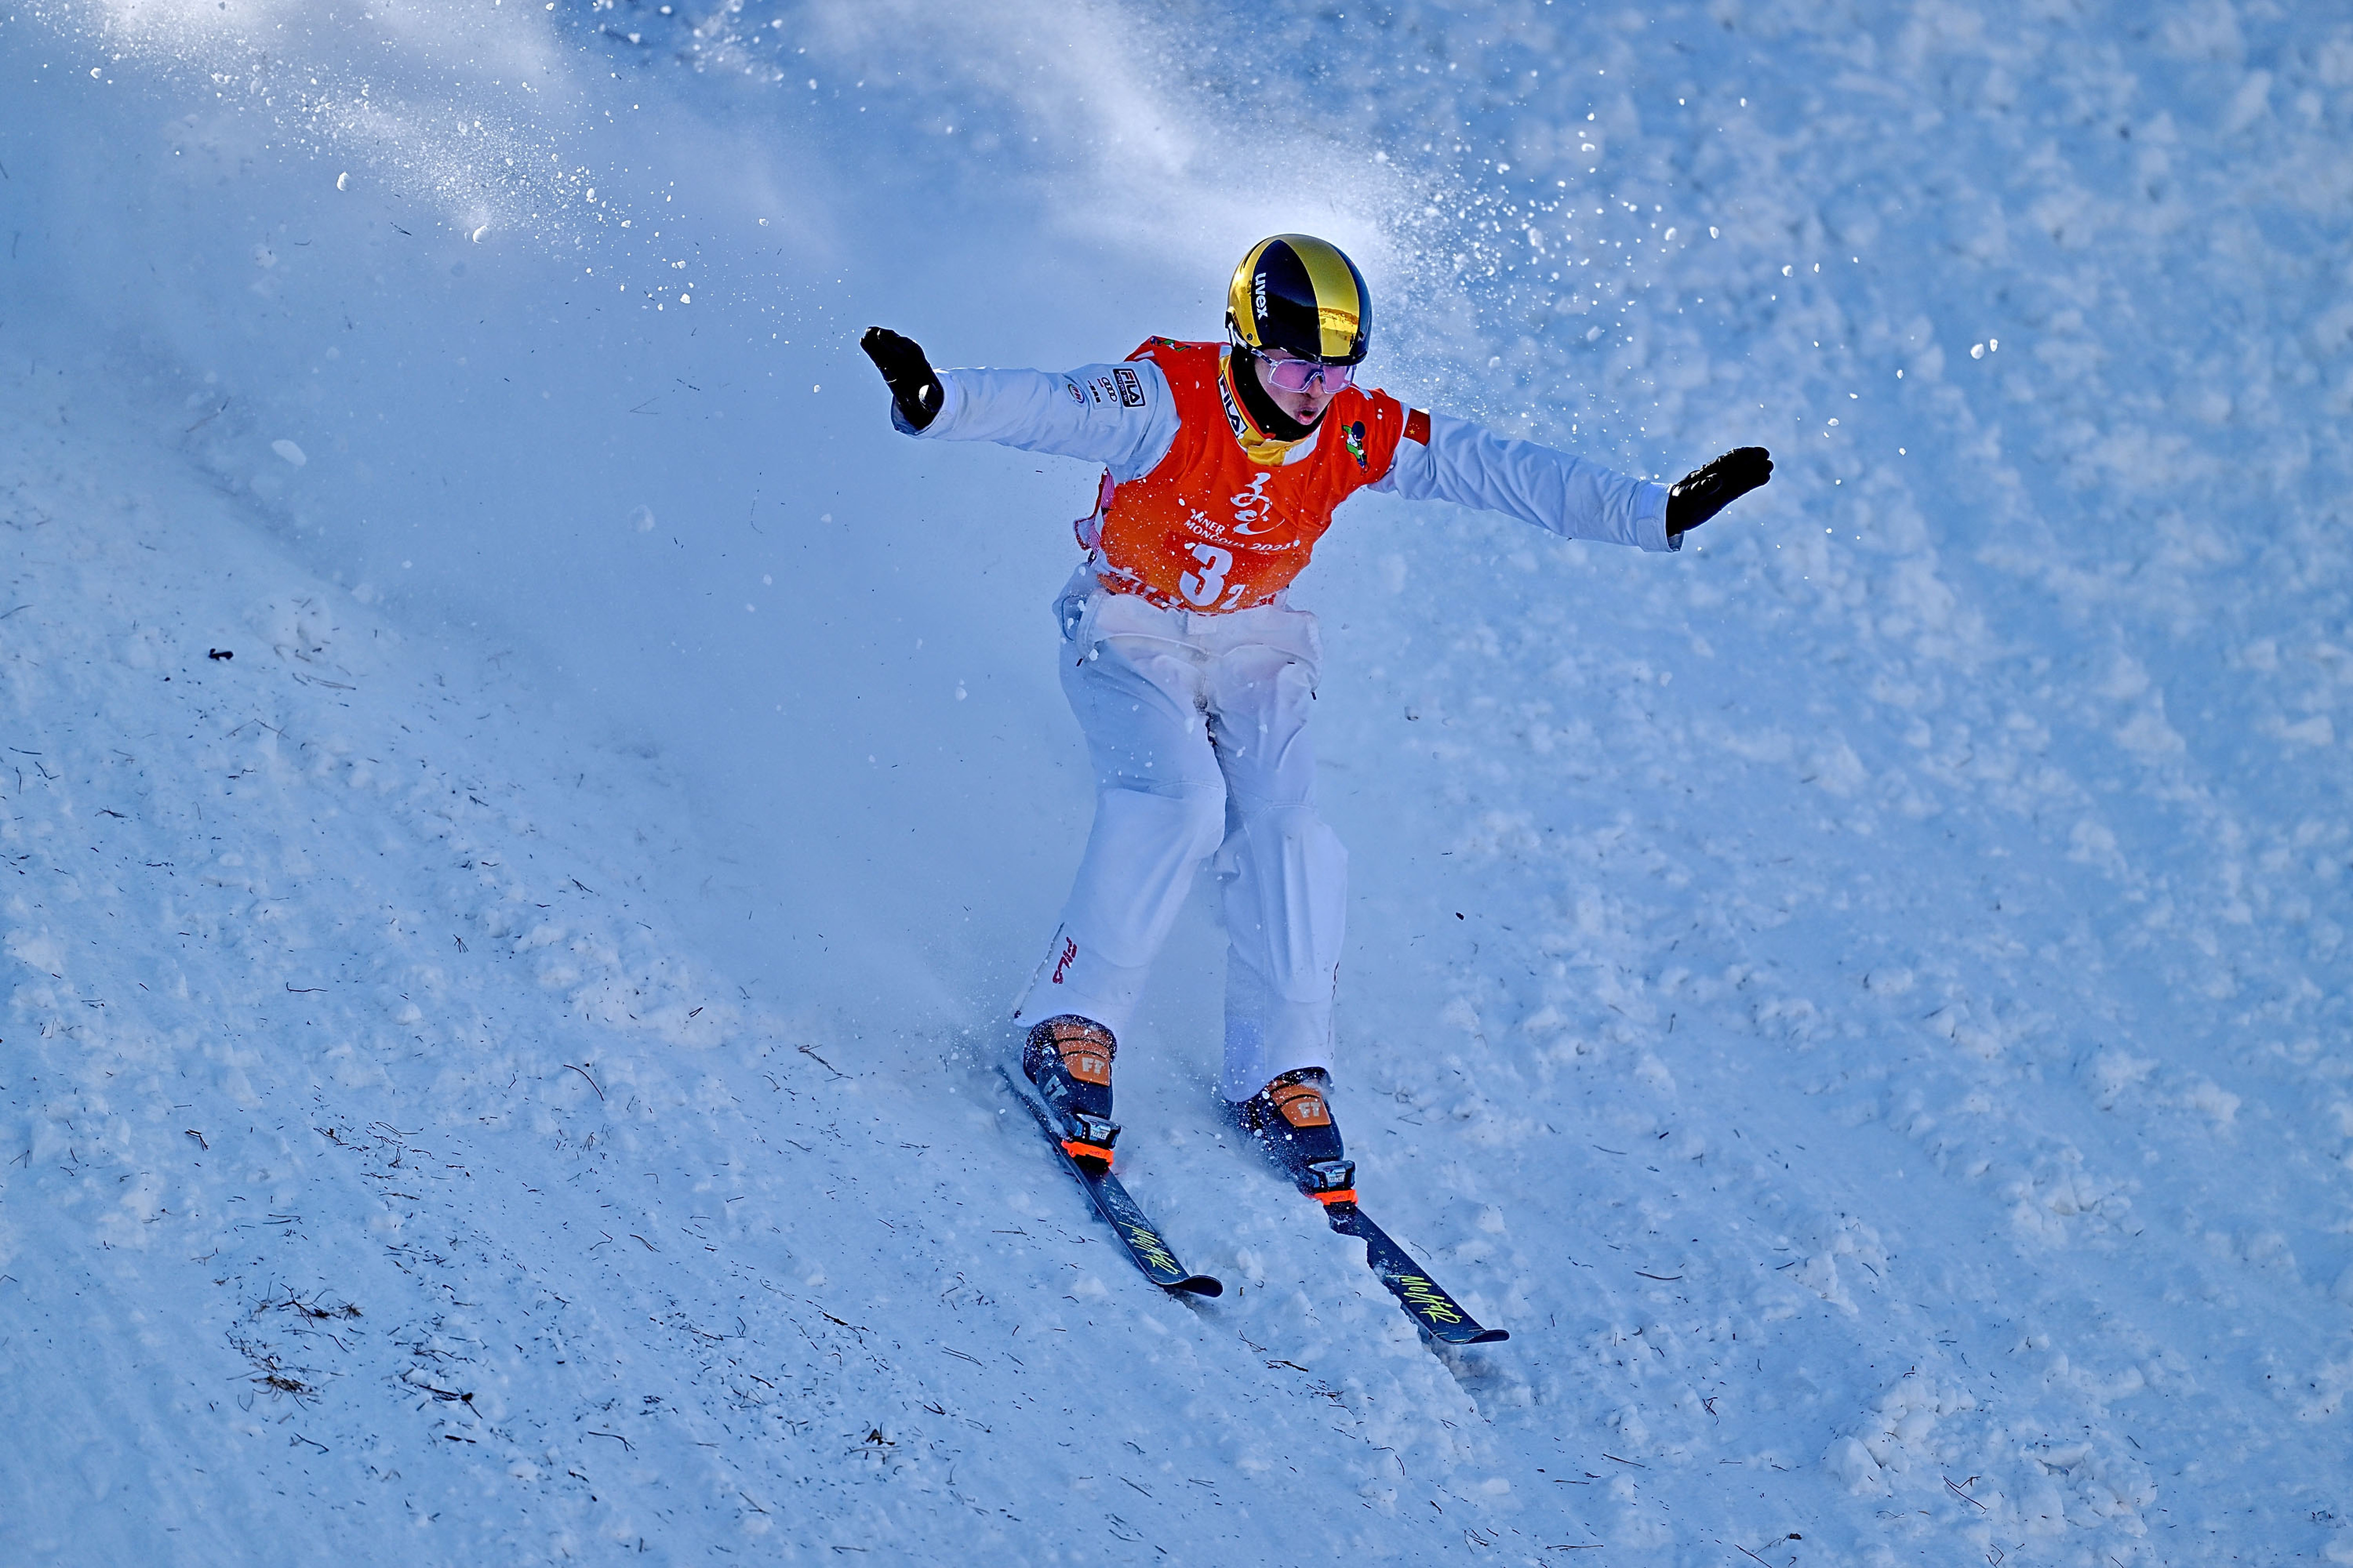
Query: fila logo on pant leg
[(1062, 965)]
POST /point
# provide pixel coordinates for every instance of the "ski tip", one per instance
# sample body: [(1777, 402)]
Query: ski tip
[(1200, 1285), (1466, 1333)]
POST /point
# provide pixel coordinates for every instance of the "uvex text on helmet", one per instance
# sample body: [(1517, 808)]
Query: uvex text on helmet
[(1303, 296)]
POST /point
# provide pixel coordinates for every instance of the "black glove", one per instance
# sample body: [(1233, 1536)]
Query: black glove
[(1702, 494), (906, 372)]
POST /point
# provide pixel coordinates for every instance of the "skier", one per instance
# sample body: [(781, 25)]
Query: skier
[(1191, 672)]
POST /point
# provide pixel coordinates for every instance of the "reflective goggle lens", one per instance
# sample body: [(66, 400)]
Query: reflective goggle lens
[(1298, 375)]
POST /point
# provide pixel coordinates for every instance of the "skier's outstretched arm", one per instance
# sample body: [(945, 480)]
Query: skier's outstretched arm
[(1473, 466), (1120, 416)]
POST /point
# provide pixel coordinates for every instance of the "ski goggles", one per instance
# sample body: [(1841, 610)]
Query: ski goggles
[(1288, 373)]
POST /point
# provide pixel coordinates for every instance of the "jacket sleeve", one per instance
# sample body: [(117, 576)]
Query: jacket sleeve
[(1572, 497), (1120, 416)]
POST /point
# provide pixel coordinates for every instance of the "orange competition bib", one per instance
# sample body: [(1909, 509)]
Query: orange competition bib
[(1213, 527)]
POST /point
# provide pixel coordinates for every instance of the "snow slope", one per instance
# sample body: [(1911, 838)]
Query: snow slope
[(498, 1069)]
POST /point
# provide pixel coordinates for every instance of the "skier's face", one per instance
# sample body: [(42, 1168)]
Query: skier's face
[(1306, 405)]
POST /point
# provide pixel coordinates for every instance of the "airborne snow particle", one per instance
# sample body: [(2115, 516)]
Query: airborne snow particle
[(289, 451), (644, 518)]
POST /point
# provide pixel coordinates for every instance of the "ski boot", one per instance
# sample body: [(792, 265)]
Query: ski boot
[(1291, 1121), (1068, 1058)]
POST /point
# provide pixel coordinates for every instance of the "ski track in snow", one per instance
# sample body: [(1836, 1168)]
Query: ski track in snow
[(1864, 1001)]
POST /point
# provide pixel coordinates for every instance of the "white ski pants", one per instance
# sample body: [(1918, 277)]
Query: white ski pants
[(1196, 726)]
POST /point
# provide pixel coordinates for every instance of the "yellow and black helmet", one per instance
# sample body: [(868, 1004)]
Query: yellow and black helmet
[(1301, 295)]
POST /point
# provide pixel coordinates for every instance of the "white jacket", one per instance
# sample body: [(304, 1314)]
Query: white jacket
[(1123, 417)]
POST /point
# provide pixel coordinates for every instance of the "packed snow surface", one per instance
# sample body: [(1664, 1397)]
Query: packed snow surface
[(526, 804)]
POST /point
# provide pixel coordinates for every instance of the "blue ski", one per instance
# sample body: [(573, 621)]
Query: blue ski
[(1137, 1233), (1441, 1315)]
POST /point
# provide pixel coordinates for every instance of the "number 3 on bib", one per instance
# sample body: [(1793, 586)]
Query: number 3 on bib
[(1202, 587)]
